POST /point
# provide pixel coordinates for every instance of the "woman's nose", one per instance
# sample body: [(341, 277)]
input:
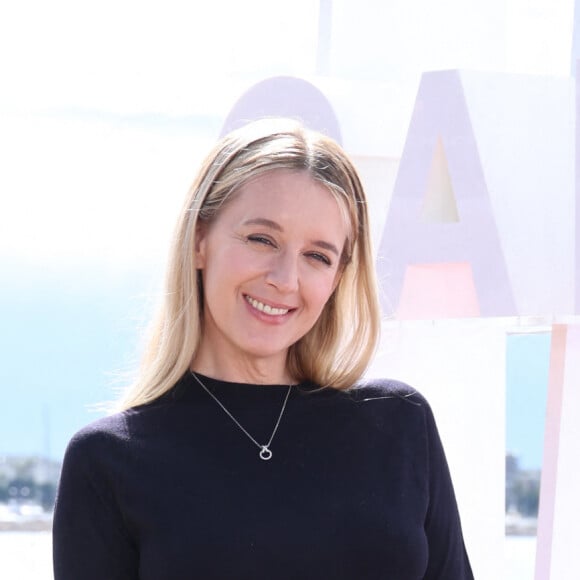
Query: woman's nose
[(283, 272)]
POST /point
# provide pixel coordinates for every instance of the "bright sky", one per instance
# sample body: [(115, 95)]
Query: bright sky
[(98, 138)]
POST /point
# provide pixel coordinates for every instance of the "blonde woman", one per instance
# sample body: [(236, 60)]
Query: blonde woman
[(249, 448)]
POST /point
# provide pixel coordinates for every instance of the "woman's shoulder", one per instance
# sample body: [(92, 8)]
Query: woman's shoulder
[(124, 429), (99, 435), (393, 402), (386, 389)]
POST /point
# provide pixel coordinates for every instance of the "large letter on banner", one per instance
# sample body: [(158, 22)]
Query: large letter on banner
[(440, 256), (285, 97)]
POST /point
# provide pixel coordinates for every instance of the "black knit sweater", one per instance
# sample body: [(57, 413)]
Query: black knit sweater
[(357, 488)]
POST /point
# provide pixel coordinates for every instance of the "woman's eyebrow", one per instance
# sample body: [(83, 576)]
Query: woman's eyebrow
[(276, 226), (264, 222)]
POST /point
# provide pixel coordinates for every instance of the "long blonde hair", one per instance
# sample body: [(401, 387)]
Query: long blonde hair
[(337, 350)]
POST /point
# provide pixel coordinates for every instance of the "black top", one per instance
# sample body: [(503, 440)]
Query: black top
[(357, 488)]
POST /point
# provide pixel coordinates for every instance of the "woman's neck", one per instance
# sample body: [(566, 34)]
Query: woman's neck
[(255, 371)]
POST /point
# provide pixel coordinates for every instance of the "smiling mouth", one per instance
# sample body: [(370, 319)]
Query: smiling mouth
[(265, 308)]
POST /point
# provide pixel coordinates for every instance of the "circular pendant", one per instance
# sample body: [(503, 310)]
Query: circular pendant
[(265, 453)]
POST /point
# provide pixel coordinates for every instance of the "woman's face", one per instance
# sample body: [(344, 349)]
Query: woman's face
[(269, 261)]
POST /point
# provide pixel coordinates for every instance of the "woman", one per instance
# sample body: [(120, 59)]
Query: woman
[(248, 448)]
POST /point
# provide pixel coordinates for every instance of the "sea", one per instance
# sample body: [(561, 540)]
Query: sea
[(27, 556)]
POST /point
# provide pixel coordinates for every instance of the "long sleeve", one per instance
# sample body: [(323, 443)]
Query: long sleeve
[(447, 555), (90, 540)]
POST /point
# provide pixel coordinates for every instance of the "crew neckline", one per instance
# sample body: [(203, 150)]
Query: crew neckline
[(221, 383), (188, 389)]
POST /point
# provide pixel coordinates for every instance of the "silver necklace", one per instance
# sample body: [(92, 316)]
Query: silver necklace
[(265, 452)]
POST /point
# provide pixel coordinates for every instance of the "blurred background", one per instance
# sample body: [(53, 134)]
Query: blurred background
[(106, 110)]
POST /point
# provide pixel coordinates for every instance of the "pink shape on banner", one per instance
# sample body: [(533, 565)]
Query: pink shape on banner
[(559, 511), (551, 445), (438, 291)]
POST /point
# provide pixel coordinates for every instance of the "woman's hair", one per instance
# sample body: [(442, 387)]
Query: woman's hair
[(337, 350)]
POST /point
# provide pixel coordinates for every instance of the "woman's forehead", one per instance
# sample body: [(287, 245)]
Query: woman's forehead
[(291, 197)]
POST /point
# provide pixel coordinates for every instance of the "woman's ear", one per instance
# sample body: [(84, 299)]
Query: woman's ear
[(200, 245)]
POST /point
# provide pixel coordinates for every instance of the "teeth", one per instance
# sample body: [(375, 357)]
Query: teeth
[(266, 308)]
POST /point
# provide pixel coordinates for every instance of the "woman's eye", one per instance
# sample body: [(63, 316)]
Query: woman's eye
[(260, 239), (321, 258)]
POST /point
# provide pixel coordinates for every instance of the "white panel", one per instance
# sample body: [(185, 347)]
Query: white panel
[(459, 365)]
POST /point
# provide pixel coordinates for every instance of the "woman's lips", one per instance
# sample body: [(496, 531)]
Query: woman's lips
[(267, 308)]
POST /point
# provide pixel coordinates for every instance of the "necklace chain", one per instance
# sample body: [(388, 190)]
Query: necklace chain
[(265, 452)]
